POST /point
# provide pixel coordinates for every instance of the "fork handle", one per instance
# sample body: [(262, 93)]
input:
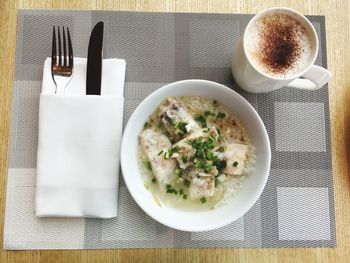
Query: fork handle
[(61, 83)]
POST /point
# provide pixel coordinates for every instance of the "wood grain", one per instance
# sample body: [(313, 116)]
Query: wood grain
[(338, 43)]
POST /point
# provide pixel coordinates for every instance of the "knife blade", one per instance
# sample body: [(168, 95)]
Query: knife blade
[(94, 61)]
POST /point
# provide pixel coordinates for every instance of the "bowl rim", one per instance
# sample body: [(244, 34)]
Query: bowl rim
[(223, 222)]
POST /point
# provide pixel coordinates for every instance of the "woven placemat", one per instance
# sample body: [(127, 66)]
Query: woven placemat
[(296, 208)]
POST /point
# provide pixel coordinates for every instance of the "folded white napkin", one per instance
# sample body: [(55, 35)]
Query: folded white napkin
[(79, 144)]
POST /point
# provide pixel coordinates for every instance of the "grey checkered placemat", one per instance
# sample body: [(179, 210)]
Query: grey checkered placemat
[(296, 208)]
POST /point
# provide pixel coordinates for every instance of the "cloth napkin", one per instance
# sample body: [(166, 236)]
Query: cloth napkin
[(79, 144)]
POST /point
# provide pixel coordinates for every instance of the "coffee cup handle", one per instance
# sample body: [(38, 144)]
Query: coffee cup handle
[(313, 79)]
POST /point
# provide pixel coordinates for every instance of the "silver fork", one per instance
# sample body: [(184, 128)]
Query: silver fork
[(61, 65)]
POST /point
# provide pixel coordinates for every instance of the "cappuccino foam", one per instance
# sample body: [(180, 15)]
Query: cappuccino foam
[(279, 45)]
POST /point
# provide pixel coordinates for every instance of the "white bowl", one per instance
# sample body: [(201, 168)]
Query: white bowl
[(196, 220)]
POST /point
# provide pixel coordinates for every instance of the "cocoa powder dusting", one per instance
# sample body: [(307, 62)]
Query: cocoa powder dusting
[(279, 45)]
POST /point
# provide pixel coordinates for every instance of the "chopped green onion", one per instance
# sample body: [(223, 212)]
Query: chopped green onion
[(184, 158), (208, 166), (235, 164), (220, 115), (201, 120), (175, 149), (178, 172), (160, 125), (160, 152), (145, 125), (210, 156), (203, 200), (216, 182), (170, 189), (166, 156), (187, 183), (206, 130), (208, 113), (154, 180), (198, 153), (169, 153), (184, 196), (181, 191), (215, 102), (148, 166), (182, 127), (198, 165)]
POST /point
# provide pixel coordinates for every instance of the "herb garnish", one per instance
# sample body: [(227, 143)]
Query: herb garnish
[(209, 113), (145, 125), (235, 164), (202, 121), (203, 200), (220, 115), (160, 152), (170, 152), (160, 125), (182, 127), (170, 189), (154, 180), (148, 165), (166, 155), (184, 196), (187, 183), (204, 157), (175, 149), (216, 182), (178, 172)]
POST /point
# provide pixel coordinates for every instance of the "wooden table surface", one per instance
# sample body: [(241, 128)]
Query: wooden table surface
[(338, 50)]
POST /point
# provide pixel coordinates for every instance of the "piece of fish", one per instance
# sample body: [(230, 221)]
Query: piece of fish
[(202, 186), (185, 149), (153, 143), (177, 121), (235, 155)]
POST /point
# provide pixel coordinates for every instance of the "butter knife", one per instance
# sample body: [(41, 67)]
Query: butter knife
[(94, 61)]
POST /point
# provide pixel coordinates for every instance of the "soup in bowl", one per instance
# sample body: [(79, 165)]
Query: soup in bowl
[(195, 155)]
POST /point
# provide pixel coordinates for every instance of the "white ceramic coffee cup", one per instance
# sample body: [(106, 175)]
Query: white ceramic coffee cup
[(251, 79)]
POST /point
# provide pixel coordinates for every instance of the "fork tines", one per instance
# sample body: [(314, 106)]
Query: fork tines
[(64, 65)]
